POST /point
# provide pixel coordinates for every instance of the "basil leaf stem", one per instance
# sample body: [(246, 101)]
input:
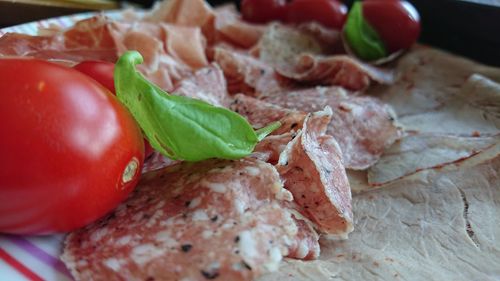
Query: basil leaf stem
[(179, 127)]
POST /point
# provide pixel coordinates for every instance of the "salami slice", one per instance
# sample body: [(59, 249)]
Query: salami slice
[(248, 75), (305, 246), (363, 126), (223, 220), (299, 55), (157, 161), (270, 148), (207, 84), (312, 169), (260, 113)]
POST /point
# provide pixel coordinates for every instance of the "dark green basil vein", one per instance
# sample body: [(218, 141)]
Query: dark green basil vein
[(362, 38), (183, 128)]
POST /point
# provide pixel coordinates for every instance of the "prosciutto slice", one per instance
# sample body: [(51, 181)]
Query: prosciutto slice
[(232, 28), (88, 39)]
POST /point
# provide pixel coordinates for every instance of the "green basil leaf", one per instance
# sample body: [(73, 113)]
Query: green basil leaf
[(362, 38), (179, 127)]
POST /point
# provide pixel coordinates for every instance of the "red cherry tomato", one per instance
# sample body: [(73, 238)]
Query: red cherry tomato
[(102, 72), (330, 13), (396, 22), (262, 11), (70, 151)]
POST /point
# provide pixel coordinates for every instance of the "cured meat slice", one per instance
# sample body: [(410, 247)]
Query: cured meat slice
[(221, 24), (182, 12), (248, 75), (298, 55), (270, 148), (312, 169), (327, 37), (475, 110), (159, 67), (186, 44), (260, 114), (363, 126), (450, 219), (157, 161), (429, 79), (425, 151), (192, 221), (231, 27), (305, 246), (207, 84), (88, 39)]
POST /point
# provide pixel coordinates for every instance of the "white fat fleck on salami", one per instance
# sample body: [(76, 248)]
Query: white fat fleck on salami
[(252, 171), (216, 187), (247, 245), (275, 257), (195, 202), (302, 250), (124, 240), (234, 223), (200, 215), (145, 253), (312, 170), (165, 238), (98, 235), (206, 234), (239, 206), (363, 126), (113, 264)]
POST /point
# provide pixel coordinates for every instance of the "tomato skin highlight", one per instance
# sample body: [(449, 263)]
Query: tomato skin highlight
[(71, 152), (330, 13), (101, 71), (396, 22), (263, 11)]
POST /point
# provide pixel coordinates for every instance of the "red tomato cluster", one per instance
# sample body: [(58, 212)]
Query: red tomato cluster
[(330, 13), (70, 151)]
